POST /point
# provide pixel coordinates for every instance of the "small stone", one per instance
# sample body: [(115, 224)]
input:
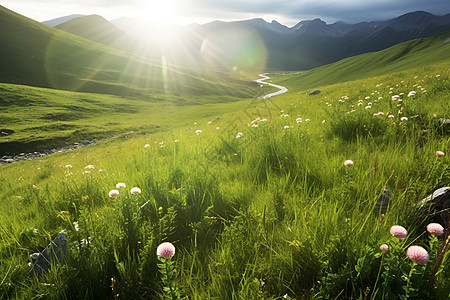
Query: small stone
[(315, 92)]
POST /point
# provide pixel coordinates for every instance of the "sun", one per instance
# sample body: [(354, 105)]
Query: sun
[(160, 11)]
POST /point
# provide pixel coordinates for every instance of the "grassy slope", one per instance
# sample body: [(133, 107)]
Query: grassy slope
[(400, 57), (44, 118), (274, 206), (36, 54)]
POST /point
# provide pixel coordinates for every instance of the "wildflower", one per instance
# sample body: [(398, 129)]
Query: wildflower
[(198, 132), (135, 190), (147, 146), (176, 141), (440, 153), (299, 120), (323, 121), (209, 123), (395, 97), (412, 94), (368, 107), (121, 185), (384, 248), (165, 249), (217, 128), (367, 98), (418, 254), (86, 172), (307, 120), (398, 231), (286, 127), (89, 167), (113, 193), (391, 116), (75, 225), (435, 228), (239, 135), (348, 163), (404, 119), (438, 75), (68, 166)]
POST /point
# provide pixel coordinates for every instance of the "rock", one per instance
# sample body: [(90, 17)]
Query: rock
[(4, 131), (315, 92), (383, 202), (86, 142), (56, 252), (440, 205)]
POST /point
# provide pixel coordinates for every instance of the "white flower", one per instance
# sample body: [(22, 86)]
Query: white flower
[(68, 166), (403, 119), (299, 120), (113, 193), (89, 167), (198, 131), (135, 190), (75, 225), (286, 127), (147, 146), (121, 185)]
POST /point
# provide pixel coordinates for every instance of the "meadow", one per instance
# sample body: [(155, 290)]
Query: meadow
[(253, 194)]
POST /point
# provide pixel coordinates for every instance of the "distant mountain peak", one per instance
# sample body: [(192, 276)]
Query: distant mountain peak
[(57, 21)]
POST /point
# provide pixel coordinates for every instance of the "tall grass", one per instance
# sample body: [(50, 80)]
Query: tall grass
[(271, 214)]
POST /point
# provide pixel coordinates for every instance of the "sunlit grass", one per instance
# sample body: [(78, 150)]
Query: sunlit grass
[(274, 213)]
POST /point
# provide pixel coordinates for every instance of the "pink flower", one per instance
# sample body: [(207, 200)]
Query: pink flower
[(440, 153), (135, 190), (435, 228), (166, 249), (384, 248), (121, 185), (348, 163), (418, 254), (113, 193), (398, 231)]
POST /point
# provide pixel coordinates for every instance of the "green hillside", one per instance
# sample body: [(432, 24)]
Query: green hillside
[(38, 55), (43, 119), (400, 57), (95, 28)]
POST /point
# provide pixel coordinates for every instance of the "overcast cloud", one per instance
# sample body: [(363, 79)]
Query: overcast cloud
[(288, 12)]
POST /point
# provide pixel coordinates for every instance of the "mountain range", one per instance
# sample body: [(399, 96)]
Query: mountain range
[(306, 45)]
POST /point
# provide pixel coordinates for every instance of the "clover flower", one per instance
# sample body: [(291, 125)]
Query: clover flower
[(435, 228), (113, 193), (135, 190), (440, 153), (384, 248), (121, 185), (348, 163), (165, 249), (198, 131), (398, 231), (418, 254)]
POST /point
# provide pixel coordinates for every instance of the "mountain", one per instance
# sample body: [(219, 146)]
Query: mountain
[(35, 54), (259, 45), (57, 21), (95, 28), (407, 55)]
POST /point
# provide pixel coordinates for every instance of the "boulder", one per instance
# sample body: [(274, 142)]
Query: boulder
[(383, 202), (55, 252), (439, 202), (315, 92)]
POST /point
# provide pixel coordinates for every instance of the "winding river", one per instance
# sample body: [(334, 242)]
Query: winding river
[(262, 81)]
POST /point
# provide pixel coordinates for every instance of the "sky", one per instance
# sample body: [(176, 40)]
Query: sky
[(287, 12)]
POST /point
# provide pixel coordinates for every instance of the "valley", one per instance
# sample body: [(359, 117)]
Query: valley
[(263, 189)]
